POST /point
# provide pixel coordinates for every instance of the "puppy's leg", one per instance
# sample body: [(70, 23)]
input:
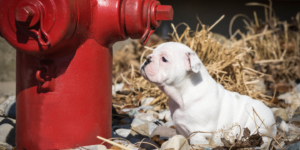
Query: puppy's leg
[(200, 139), (267, 141)]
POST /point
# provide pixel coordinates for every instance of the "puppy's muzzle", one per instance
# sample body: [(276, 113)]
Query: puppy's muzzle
[(148, 61)]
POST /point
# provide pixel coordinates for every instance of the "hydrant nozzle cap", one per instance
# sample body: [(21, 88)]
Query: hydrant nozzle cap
[(164, 12)]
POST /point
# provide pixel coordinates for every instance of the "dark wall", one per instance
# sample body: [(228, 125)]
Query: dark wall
[(210, 11)]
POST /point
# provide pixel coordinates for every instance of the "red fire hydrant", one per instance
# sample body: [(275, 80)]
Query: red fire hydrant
[(64, 64)]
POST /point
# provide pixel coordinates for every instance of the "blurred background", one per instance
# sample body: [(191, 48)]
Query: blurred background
[(184, 11)]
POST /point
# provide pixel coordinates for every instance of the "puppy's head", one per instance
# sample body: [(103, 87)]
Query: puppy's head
[(170, 63)]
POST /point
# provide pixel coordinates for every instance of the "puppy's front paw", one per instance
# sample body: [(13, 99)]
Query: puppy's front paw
[(199, 140)]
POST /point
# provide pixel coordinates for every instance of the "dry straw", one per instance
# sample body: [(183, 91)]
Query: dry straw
[(268, 51)]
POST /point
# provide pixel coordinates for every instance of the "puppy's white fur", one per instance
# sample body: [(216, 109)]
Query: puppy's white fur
[(197, 102)]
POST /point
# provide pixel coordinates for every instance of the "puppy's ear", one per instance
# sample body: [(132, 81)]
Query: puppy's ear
[(194, 63)]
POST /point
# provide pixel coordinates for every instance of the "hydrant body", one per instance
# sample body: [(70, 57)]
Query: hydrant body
[(64, 64)]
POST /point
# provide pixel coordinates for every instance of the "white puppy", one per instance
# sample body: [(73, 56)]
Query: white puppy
[(197, 102)]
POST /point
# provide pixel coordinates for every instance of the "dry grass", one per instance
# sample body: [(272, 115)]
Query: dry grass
[(268, 52)]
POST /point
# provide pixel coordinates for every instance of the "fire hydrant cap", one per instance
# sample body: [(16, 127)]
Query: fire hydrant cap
[(34, 26), (164, 12)]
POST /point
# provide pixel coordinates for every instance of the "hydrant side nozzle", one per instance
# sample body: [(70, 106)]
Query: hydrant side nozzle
[(164, 12)]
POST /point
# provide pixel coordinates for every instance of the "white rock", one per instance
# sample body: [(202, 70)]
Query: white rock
[(123, 132), (147, 101), (281, 113), (289, 97), (7, 131), (292, 98), (164, 115), (92, 147), (152, 126), (136, 122), (297, 88), (4, 106), (117, 87), (175, 142), (151, 112), (163, 131), (133, 147), (141, 107), (145, 116), (169, 124)]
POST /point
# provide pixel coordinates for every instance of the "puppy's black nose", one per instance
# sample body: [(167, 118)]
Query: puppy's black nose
[(148, 60)]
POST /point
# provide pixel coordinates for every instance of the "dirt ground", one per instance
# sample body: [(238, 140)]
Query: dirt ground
[(7, 68)]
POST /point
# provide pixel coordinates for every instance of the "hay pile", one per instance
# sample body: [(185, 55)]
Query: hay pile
[(239, 65), (263, 63)]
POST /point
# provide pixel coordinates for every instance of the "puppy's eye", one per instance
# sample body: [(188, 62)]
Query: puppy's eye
[(164, 59)]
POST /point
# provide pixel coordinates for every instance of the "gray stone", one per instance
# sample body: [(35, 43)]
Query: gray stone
[(295, 146), (92, 147), (145, 116), (141, 107), (281, 113), (163, 131), (5, 146), (136, 122), (8, 107), (7, 131), (123, 132), (128, 120), (133, 112), (148, 146), (166, 114), (169, 123), (117, 87), (152, 126), (176, 142)]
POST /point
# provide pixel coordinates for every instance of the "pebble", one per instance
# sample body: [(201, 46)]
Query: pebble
[(136, 122), (169, 123), (163, 131), (151, 112), (147, 101), (148, 146), (92, 147), (133, 111), (8, 107), (145, 116), (117, 87), (5, 146), (281, 113), (166, 114), (7, 131), (295, 146), (123, 132), (175, 142), (152, 126)]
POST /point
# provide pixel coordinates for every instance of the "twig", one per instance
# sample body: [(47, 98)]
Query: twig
[(212, 26), (113, 143), (267, 128), (191, 135)]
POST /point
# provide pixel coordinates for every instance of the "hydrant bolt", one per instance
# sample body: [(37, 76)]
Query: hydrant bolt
[(24, 14), (164, 12)]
